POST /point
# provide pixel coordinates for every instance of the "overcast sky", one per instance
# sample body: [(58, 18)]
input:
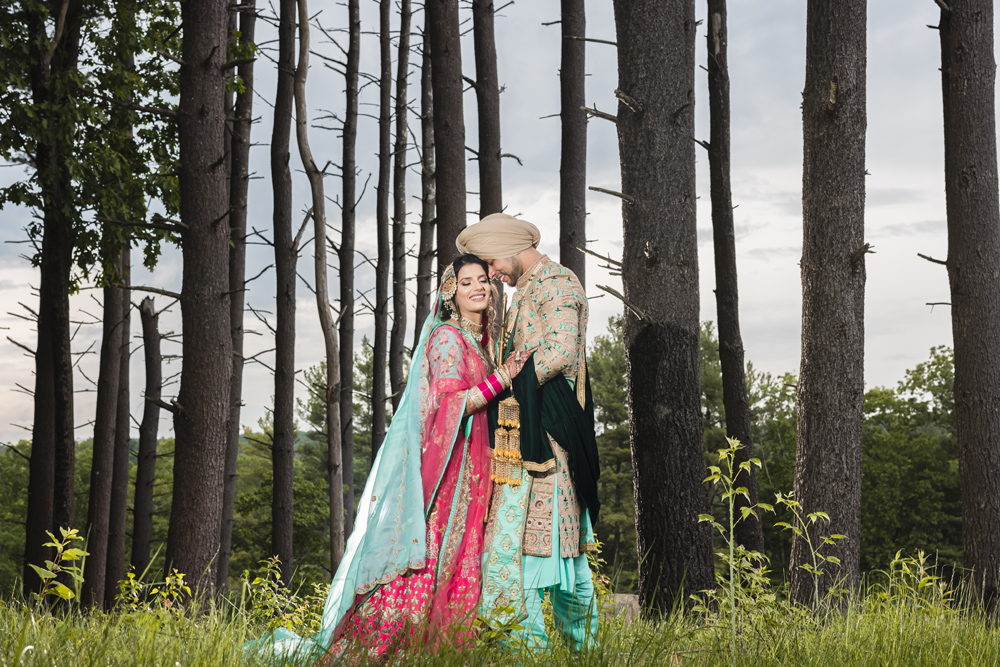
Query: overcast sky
[(905, 190)]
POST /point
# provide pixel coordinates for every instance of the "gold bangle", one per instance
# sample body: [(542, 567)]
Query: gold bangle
[(475, 398), (504, 376)]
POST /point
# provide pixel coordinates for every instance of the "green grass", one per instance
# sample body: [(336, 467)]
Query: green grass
[(907, 628)]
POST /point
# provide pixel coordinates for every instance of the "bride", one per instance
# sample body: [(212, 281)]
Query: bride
[(412, 566)]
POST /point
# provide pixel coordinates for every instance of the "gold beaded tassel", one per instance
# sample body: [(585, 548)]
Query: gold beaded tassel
[(500, 467), (507, 452), (514, 462)]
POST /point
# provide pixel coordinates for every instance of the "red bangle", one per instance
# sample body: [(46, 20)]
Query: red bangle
[(491, 387), (486, 389)]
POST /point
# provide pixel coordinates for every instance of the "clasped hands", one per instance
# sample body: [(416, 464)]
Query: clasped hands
[(515, 362)]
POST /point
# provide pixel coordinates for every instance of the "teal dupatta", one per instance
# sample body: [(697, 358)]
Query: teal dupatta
[(390, 532)]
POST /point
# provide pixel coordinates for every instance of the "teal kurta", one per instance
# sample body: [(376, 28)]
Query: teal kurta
[(539, 533)]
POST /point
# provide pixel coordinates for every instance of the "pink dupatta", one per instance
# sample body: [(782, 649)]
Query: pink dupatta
[(438, 601)]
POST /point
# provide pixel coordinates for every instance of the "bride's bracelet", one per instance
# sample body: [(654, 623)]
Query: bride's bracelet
[(480, 395)]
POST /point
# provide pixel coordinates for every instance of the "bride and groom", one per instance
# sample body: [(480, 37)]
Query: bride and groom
[(483, 495)]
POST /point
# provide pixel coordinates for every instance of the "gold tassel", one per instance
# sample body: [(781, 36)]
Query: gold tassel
[(507, 450)]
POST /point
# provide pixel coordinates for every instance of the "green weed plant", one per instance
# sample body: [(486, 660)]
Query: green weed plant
[(68, 560)]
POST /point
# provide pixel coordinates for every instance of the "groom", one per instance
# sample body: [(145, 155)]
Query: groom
[(540, 530)]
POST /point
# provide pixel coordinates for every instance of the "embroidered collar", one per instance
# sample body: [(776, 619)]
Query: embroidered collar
[(532, 270)]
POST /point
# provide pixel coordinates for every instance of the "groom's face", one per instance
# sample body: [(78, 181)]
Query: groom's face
[(507, 270)]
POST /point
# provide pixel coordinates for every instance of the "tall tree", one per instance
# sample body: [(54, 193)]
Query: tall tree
[(285, 260), (118, 513), (327, 325), (202, 410), (397, 381), (831, 375), (488, 106), (573, 158), (384, 260), (968, 73), (145, 471), (655, 126), (70, 126), (749, 532), (51, 65), (449, 126), (345, 253), (428, 190), (102, 463), (239, 180)]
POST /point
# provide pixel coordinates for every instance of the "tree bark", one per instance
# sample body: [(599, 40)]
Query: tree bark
[(397, 379), (64, 60), (749, 532), (327, 325), (660, 277), (118, 515), (145, 472), (102, 464), (968, 73), (239, 181), (488, 107), (428, 191), (41, 468), (203, 403), (831, 376), (449, 126), (346, 259), (51, 472), (384, 260), (573, 159), (285, 260)]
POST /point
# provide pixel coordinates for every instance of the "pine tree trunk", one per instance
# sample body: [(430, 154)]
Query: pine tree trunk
[(58, 187), (968, 73), (660, 277), (118, 515), (384, 261), (831, 377), (397, 338), (41, 468), (51, 471), (285, 260), (449, 126), (202, 412), (749, 532), (239, 181), (327, 326), (428, 192), (102, 464), (346, 260), (488, 106), (573, 159), (145, 471)]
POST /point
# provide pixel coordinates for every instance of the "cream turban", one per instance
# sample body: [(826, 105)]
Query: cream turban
[(498, 236)]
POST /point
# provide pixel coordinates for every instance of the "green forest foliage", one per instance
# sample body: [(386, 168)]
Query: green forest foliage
[(910, 490)]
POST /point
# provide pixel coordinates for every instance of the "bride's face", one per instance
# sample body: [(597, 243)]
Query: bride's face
[(473, 292)]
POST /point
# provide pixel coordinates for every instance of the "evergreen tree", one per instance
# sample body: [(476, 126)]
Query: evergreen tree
[(616, 527)]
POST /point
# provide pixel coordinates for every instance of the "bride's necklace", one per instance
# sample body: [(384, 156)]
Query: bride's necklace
[(470, 326)]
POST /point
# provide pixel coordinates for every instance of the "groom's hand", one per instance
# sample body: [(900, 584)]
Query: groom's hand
[(515, 362)]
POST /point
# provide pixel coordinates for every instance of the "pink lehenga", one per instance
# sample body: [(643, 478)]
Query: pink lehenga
[(411, 570), (439, 599)]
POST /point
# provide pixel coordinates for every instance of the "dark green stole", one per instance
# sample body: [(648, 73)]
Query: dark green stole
[(554, 408)]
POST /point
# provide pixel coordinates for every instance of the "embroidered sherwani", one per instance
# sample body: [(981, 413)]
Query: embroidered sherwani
[(548, 316)]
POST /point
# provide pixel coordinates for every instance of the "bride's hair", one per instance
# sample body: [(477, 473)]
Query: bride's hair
[(463, 260)]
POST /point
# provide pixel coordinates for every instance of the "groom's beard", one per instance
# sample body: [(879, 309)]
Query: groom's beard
[(516, 271)]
